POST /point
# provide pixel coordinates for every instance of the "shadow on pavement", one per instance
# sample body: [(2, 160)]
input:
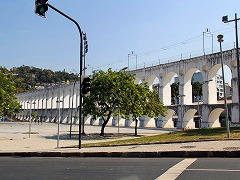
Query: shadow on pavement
[(94, 136)]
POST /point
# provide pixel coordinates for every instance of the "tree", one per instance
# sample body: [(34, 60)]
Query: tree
[(142, 101), (112, 92), (34, 116), (196, 89), (8, 100), (174, 91), (106, 95)]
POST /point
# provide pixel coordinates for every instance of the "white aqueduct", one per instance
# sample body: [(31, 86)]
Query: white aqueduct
[(182, 115)]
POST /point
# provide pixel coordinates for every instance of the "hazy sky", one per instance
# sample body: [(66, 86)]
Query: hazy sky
[(156, 30)]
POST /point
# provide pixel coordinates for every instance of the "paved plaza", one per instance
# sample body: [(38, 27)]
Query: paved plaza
[(14, 138)]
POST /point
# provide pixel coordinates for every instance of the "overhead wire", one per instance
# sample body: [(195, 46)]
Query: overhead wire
[(165, 48)]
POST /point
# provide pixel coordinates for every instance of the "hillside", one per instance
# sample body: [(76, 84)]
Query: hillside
[(28, 78)]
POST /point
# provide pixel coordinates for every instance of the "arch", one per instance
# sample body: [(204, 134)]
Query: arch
[(213, 118), (150, 80), (167, 79), (213, 71), (167, 121), (212, 89), (137, 81), (189, 74), (188, 119)]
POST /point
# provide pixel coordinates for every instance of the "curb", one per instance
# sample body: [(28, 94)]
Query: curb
[(160, 154)]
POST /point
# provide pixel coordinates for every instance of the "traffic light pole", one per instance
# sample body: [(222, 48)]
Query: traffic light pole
[(81, 64)]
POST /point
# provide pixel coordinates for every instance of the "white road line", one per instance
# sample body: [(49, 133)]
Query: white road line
[(219, 170), (176, 170)]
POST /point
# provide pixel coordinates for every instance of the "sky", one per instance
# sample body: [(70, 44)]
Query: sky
[(157, 31)]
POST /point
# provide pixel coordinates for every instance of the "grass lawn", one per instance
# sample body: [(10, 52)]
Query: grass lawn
[(185, 136)]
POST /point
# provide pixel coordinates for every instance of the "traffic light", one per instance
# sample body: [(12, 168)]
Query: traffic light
[(85, 43), (86, 85), (86, 47), (41, 7)]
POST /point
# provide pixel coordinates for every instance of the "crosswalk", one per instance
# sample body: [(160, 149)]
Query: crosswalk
[(176, 170)]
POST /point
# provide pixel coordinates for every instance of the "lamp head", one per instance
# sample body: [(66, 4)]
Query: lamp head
[(220, 38), (225, 19)]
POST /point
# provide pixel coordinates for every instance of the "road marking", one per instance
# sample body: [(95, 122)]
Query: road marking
[(220, 170), (176, 170)]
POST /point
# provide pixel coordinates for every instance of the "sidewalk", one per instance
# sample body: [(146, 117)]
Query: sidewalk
[(14, 141)]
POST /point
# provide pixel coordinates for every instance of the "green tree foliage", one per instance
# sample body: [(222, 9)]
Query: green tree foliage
[(27, 78), (8, 100), (142, 101), (113, 92), (196, 89), (174, 92)]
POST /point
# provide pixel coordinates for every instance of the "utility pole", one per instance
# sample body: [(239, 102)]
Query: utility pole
[(130, 55)]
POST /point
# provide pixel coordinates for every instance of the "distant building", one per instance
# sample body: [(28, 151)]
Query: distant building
[(197, 77), (219, 85), (228, 91)]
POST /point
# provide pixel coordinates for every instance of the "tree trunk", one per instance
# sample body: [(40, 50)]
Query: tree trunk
[(103, 127), (105, 123), (136, 122)]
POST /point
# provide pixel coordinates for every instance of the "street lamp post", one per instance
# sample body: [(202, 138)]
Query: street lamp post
[(72, 110), (30, 120), (30, 116), (220, 40), (59, 118), (225, 20)]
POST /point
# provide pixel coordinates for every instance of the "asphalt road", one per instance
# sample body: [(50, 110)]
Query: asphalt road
[(119, 168)]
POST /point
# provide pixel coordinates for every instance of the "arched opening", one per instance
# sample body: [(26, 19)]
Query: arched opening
[(196, 82), (137, 81), (222, 117), (192, 87), (220, 86), (212, 88), (188, 119), (168, 121), (213, 119), (216, 86), (153, 82), (170, 89)]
